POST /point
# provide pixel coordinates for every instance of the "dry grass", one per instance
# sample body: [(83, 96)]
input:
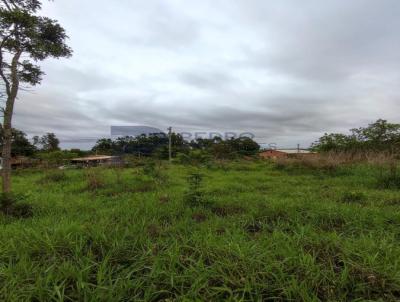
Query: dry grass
[(330, 162)]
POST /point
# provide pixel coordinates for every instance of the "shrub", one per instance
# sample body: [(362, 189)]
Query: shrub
[(154, 170), (149, 168), (55, 158), (194, 196), (133, 161), (194, 157)]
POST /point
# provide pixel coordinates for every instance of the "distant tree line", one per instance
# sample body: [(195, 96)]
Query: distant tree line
[(47, 146), (157, 145), (21, 146), (378, 136)]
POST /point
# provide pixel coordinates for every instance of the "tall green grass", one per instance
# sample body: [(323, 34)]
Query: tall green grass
[(264, 235)]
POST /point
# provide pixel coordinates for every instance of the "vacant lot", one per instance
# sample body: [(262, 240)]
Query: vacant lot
[(234, 231)]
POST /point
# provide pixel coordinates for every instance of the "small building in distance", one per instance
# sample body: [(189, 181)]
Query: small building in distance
[(96, 160), (284, 153)]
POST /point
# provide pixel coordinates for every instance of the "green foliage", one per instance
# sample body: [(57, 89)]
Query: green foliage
[(194, 157), (152, 168), (47, 143), (142, 145), (26, 38), (20, 144), (194, 195), (194, 152), (105, 146), (56, 157), (227, 149), (23, 32), (244, 146), (378, 136)]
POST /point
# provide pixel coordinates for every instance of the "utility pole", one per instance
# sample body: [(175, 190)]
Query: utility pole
[(170, 143)]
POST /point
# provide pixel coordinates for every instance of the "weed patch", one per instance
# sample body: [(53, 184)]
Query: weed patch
[(194, 195)]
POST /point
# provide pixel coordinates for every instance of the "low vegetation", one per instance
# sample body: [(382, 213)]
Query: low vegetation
[(231, 230), (379, 136)]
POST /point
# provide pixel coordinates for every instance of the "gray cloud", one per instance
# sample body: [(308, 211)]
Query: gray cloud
[(285, 70)]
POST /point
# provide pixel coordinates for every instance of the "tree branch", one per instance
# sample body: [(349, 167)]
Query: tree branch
[(6, 4)]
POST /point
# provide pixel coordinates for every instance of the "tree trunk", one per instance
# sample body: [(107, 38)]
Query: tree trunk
[(6, 175), (12, 91)]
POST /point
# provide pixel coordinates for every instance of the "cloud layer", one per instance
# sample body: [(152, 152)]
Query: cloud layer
[(287, 71)]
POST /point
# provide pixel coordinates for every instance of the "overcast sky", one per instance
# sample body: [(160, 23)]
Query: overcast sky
[(287, 71)]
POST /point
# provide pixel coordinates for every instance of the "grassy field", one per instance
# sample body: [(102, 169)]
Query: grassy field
[(244, 231)]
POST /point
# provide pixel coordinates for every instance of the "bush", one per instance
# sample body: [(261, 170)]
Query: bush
[(194, 196), (194, 157), (134, 161), (150, 169), (153, 169), (56, 158)]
